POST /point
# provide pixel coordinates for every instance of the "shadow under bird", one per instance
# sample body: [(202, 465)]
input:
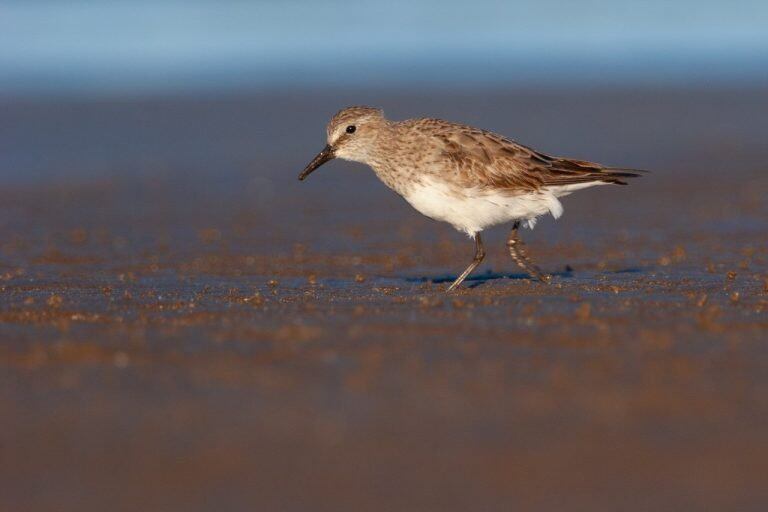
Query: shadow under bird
[(468, 177)]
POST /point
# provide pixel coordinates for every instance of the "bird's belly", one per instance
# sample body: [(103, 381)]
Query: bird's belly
[(472, 210)]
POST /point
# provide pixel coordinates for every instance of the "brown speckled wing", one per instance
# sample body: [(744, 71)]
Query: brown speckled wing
[(486, 159)]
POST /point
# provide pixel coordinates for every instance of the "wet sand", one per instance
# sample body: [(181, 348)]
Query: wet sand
[(185, 326)]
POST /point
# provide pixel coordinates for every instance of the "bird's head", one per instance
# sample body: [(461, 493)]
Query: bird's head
[(351, 135)]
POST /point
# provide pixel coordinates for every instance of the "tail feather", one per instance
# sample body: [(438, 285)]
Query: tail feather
[(566, 171), (615, 174)]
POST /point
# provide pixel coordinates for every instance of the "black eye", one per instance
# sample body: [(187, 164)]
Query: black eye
[(351, 128)]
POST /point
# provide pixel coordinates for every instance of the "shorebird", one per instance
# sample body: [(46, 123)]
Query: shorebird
[(468, 177)]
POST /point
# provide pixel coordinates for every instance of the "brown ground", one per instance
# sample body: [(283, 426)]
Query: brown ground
[(187, 327)]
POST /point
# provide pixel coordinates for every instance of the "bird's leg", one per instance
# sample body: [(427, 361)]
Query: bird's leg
[(517, 251), (479, 255)]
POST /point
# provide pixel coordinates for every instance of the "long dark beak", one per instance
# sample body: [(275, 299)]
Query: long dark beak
[(322, 157)]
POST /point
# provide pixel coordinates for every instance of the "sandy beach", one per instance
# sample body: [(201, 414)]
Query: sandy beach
[(184, 323)]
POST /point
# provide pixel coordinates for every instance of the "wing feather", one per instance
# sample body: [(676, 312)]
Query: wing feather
[(491, 160)]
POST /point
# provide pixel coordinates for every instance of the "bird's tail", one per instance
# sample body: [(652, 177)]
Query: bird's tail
[(617, 175), (566, 171)]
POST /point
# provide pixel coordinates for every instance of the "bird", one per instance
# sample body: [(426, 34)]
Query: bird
[(468, 177)]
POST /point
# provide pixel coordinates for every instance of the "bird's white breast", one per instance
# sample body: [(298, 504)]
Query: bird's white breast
[(472, 210)]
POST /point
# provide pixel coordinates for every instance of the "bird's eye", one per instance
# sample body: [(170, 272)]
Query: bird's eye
[(351, 128)]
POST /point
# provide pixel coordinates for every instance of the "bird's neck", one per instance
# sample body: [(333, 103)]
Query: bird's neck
[(392, 156)]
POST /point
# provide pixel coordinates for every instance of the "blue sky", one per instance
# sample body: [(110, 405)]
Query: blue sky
[(118, 45)]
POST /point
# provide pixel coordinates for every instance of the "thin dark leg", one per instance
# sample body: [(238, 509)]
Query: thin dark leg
[(479, 255), (517, 251)]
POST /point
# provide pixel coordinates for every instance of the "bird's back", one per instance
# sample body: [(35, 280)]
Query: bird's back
[(472, 157)]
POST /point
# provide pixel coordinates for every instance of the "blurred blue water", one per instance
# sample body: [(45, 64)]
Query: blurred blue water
[(117, 46)]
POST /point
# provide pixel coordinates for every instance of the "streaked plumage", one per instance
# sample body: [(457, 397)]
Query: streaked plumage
[(468, 177)]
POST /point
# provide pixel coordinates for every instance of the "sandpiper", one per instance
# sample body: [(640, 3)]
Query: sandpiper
[(470, 178)]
